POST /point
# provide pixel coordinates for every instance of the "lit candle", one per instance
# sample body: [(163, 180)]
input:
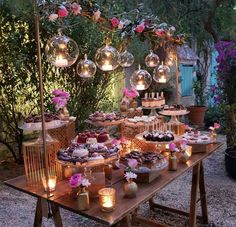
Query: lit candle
[(51, 183), (140, 87), (162, 80), (107, 66), (107, 199), (61, 62)]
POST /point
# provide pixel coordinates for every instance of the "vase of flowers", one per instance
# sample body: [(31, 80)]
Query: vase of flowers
[(173, 161), (129, 96), (79, 185), (130, 187), (213, 131), (184, 154), (60, 100)]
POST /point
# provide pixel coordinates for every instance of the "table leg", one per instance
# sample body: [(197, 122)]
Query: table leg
[(125, 222), (203, 196), (38, 214), (56, 215), (194, 191)]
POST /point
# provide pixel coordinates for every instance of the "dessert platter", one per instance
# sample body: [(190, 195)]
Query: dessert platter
[(87, 155), (150, 165), (133, 112), (199, 142), (158, 136), (101, 119), (93, 136), (141, 121)]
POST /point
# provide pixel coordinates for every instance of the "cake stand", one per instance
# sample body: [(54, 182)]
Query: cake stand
[(174, 116), (105, 123), (39, 128), (153, 110)]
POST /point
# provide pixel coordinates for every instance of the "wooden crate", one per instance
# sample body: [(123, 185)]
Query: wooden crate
[(64, 134)]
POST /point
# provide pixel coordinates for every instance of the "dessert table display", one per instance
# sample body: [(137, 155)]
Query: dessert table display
[(125, 209)]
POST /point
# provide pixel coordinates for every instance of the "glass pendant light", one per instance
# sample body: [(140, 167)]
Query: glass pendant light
[(107, 58), (161, 73), (126, 59), (152, 60), (140, 79), (86, 68), (62, 51)]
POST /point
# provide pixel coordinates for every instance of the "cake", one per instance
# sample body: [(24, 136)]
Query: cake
[(92, 136), (87, 153), (153, 100), (196, 137), (175, 109), (159, 136), (102, 117)]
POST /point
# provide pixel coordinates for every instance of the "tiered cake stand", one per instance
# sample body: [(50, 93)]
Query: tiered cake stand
[(153, 110)]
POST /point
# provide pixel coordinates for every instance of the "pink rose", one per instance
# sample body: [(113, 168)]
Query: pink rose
[(97, 15), (160, 32), (53, 17), (57, 92), (115, 22), (62, 12), (216, 125), (140, 28), (75, 180), (121, 25), (172, 147), (132, 163), (76, 8)]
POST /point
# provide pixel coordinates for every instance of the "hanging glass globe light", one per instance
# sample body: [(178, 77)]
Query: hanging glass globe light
[(86, 68), (161, 73), (107, 58), (62, 51), (152, 60), (140, 79), (126, 59)]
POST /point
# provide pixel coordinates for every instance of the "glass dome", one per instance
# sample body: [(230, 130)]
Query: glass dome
[(86, 68), (161, 74), (152, 60), (126, 59), (140, 79), (62, 51), (107, 58)]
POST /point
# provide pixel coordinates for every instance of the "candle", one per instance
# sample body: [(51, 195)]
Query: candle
[(107, 66), (152, 64), (107, 199), (61, 61), (140, 87), (51, 183), (162, 79)]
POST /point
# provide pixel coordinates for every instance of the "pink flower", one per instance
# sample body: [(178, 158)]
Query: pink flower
[(160, 32), (76, 8), (115, 22), (216, 125), (53, 17), (62, 12), (172, 147), (97, 15), (132, 163), (75, 180), (115, 142), (121, 25), (140, 28), (56, 92), (123, 140)]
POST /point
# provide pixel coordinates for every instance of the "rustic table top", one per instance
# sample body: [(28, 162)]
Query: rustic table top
[(123, 205)]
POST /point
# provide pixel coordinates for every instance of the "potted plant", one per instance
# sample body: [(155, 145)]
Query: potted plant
[(226, 96)]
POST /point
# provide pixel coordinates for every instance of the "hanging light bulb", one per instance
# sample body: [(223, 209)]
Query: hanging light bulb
[(152, 60), (107, 57), (126, 59), (62, 51), (161, 73), (86, 68), (141, 79)]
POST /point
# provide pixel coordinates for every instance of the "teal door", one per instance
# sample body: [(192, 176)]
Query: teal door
[(186, 79)]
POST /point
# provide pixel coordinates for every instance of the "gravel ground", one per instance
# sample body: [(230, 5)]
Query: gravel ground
[(17, 209)]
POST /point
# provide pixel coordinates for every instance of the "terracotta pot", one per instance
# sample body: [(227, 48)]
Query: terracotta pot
[(197, 114), (130, 189)]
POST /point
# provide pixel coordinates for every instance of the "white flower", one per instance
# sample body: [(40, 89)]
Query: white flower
[(211, 128), (97, 15), (52, 17), (85, 182), (130, 175)]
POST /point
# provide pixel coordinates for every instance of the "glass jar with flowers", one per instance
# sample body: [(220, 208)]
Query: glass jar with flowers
[(60, 100), (173, 161), (213, 132), (185, 155), (78, 183), (130, 187), (129, 96)]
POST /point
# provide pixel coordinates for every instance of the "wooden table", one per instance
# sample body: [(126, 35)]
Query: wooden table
[(126, 209)]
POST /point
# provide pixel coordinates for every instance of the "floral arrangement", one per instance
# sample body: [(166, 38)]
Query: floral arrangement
[(173, 148), (130, 93), (130, 176), (183, 144), (77, 180), (132, 164), (215, 127), (57, 12), (60, 98)]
